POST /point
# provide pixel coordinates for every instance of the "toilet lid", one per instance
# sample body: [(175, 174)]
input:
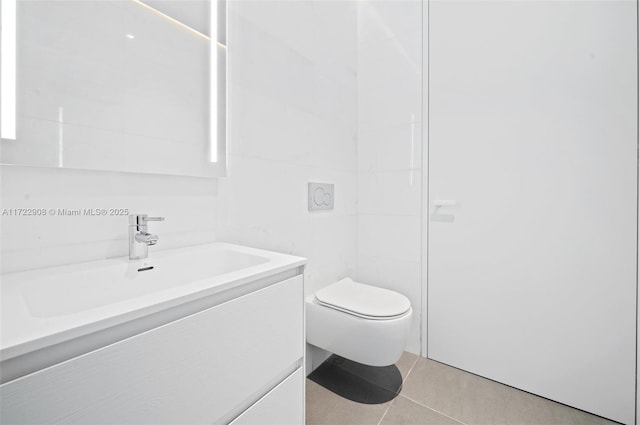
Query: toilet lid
[(363, 300)]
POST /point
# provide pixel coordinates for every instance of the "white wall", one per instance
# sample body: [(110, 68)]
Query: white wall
[(292, 117), (29, 242), (389, 149), (292, 120)]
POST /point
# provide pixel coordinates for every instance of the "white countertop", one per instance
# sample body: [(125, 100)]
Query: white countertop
[(43, 307)]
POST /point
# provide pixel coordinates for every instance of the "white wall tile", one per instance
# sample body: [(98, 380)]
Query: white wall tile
[(391, 60), (293, 120), (261, 63), (262, 127), (333, 254), (189, 205), (390, 192), (389, 150), (265, 128), (392, 103), (393, 237), (401, 276), (380, 20), (302, 27), (289, 23), (266, 203), (393, 148)]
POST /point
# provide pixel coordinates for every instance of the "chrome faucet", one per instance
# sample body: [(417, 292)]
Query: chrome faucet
[(139, 238)]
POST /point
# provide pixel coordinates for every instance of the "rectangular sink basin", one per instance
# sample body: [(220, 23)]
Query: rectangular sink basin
[(75, 291)]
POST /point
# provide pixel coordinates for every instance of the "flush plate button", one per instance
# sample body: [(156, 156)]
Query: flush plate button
[(320, 196)]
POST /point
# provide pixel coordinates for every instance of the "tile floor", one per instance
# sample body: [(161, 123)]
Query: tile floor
[(433, 393)]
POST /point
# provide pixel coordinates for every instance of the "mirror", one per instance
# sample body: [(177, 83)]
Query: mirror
[(118, 85)]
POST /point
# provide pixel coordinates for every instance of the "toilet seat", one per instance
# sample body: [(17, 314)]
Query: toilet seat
[(365, 301), (363, 323)]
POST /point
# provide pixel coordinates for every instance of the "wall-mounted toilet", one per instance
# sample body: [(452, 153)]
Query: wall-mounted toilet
[(360, 322)]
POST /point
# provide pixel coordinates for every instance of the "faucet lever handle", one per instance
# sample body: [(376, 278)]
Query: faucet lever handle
[(139, 220), (153, 219)]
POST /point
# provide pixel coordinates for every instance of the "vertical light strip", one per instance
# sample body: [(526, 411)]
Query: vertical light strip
[(213, 82), (8, 71)]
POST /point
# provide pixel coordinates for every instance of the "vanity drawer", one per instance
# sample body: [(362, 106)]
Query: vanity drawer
[(284, 405), (193, 370)]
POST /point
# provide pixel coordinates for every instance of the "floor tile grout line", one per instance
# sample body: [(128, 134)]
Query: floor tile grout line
[(385, 412), (431, 408), (415, 362)]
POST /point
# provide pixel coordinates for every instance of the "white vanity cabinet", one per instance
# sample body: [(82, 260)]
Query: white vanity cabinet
[(239, 361)]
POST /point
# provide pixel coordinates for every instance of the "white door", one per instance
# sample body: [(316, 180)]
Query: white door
[(532, 131)]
